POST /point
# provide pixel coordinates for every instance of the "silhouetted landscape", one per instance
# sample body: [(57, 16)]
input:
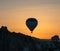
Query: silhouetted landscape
[(12, 41)]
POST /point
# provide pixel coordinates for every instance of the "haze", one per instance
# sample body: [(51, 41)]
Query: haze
[(13, 14)]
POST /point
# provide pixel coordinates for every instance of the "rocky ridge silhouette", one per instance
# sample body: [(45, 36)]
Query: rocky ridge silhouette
[(11, 41)]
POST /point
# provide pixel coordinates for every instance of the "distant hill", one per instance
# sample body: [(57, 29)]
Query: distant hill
[(12, 41)]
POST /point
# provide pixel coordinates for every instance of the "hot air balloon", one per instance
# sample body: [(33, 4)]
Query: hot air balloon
[(31, 23)]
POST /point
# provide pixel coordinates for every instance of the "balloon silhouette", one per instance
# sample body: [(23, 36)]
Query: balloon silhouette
[(31, 23)]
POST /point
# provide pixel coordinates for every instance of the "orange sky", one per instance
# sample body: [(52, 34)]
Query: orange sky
[(14, 13)]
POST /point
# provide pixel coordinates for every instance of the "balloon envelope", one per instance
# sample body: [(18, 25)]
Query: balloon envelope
[(31, 23)]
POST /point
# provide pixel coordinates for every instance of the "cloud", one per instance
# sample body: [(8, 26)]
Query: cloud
[(31, 2)]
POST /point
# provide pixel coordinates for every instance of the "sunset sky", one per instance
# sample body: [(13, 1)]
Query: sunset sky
[(13, 14)]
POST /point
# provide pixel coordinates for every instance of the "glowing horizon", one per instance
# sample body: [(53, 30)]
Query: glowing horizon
[(13, 14)]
